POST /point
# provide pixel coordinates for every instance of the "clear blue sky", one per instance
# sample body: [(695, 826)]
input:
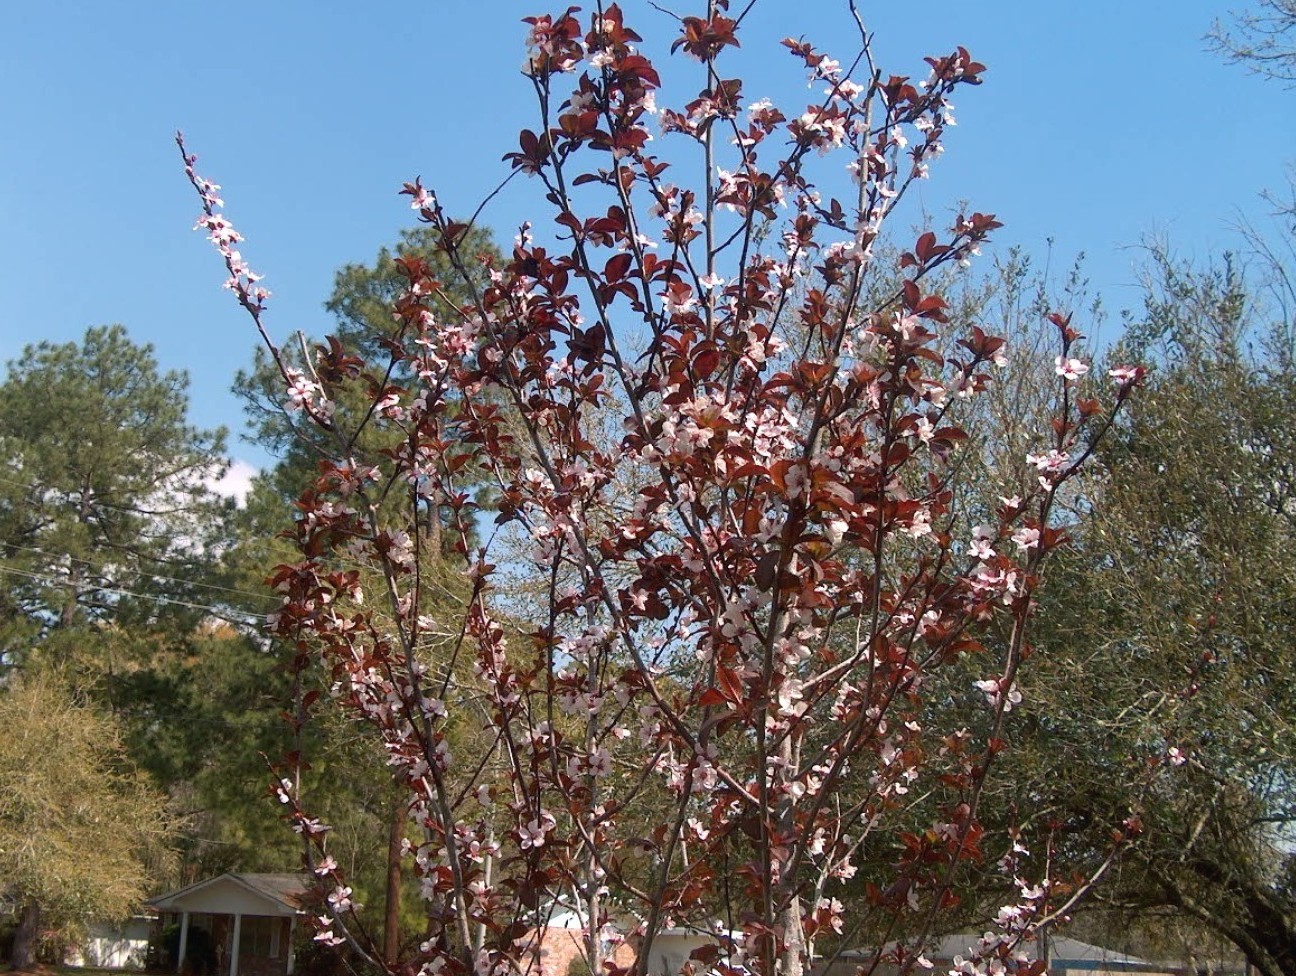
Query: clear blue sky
[(1099, 124)]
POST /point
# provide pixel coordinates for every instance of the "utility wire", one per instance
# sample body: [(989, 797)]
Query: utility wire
[(223, 612), (27, 486), (258, 546), (151, 575)]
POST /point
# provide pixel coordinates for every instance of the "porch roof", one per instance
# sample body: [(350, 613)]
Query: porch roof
[(239, 894)]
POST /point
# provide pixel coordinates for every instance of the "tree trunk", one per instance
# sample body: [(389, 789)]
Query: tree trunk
[(24, 944), (791, 921), (1262, 929), (794, 935), (391, 918)]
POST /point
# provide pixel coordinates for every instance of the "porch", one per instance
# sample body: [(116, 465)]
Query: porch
[(236, 924)]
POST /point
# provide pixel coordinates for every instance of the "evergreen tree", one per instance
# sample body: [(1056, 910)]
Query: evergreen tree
[(106, 517)]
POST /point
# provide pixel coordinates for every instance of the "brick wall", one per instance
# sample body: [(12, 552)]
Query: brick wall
[(559, 949)]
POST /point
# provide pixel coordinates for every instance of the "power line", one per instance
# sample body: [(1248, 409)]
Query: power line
[(151, 575), (223, 612), (255, 545), (121, 508), (28, 486)]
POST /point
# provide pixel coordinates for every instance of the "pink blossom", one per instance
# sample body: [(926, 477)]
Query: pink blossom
[(1052, 463), (340, 898), (1127, 375), (1069, 369), (326, 866), (993, 690), (219, 230), (325, 936), (1026, 537), (600, 763), (422, 198), (532, 834), (678, 300), (980, 547)]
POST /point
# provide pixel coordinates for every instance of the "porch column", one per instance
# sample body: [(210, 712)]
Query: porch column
[(292, 926), (234, 947), (184, 941)]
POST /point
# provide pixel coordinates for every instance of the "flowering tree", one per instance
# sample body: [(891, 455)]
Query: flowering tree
[(727, 441)]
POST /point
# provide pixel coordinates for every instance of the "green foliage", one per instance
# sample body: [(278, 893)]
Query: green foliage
[(1167, 690), (347, 782), (104, 510), (222, 719), (83, 833), (361, 304), (112, 549)]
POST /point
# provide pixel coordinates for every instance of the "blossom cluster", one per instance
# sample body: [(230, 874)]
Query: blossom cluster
[(242, 279)]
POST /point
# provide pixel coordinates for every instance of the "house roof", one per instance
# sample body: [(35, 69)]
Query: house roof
[(1073, 950), (284, 893), (1064, 952), (290, 889)]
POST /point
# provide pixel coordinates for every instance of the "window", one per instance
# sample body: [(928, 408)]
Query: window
[(259, 936)]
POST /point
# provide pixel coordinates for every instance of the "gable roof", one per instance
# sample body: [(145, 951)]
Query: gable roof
[(289, 889), (282, 894)]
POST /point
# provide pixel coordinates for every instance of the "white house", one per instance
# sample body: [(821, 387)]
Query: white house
[(672, 948), (248, 921), (114, 945)]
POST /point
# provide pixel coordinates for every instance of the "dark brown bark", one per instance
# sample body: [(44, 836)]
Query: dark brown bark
[(1263, 929), (391, 918), (24, 944)]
